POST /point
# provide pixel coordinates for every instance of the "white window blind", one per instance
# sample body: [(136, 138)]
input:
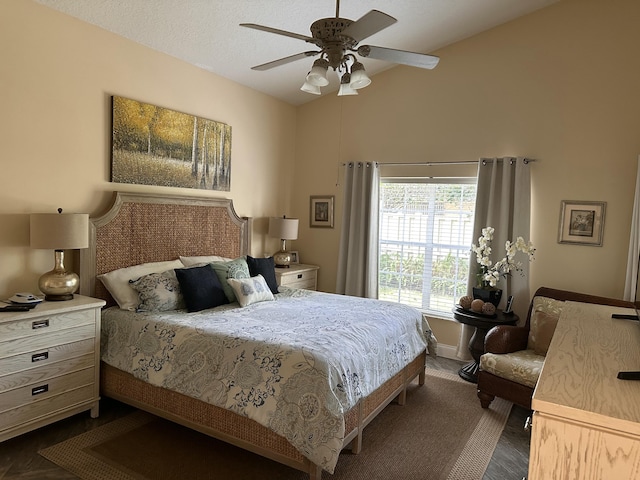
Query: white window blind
[(426, 228)]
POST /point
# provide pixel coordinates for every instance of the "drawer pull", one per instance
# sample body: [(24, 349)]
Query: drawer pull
[(299, 275), (39, 324), (40, 389), (36, 357)]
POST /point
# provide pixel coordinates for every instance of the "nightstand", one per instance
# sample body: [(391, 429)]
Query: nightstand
[(298, 276), (49, 364)]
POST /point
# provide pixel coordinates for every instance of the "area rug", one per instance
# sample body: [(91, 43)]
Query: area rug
[(441, 433)]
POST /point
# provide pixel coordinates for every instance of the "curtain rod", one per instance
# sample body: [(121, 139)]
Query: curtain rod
[(461, 162), (433, 164)]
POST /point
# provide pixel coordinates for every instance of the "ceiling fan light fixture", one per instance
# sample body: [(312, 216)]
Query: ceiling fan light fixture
[(345, 88), (318, 74), (310, 88), (336, 36), (359, 78)]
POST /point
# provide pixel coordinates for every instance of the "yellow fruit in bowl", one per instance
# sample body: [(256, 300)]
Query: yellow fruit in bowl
[(465, 302), (477, 305)]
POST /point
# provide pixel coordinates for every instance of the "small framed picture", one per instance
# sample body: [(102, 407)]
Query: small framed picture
[(294, 256), (581, 223), (321, 214)]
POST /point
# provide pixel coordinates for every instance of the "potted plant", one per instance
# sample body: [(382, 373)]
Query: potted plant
[(490, 273)]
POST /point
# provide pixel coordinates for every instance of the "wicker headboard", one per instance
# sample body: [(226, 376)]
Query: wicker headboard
[(141, 228)]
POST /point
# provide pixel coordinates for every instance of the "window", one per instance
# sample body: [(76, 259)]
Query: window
[(426, 229)]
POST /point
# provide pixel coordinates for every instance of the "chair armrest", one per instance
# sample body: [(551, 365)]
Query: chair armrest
[(506, 339)]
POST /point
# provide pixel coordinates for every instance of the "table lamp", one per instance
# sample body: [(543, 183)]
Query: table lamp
[(59, 231), (284, 229)]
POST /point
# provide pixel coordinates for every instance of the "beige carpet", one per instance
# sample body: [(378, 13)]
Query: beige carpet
[(440, 434)]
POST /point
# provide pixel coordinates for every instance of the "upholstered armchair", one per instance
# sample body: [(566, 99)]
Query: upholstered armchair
[(514, 355)]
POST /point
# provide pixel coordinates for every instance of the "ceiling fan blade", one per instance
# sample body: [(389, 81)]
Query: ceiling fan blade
[(367, 25), (284, 61), (399, 56), (279, 32)]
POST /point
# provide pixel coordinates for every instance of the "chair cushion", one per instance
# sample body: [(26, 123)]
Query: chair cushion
[(521, 367), (544, 318)]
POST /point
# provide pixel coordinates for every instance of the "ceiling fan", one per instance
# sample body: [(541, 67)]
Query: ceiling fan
[(338, 39)]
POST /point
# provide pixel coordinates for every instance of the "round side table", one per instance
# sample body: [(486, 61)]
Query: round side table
[(483, 324)]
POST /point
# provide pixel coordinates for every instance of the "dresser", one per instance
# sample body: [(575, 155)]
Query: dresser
[(586, 421), (298, 276), (49, 364)]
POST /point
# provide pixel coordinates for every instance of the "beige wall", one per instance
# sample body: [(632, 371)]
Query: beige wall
[(561, 85), (56, 78)]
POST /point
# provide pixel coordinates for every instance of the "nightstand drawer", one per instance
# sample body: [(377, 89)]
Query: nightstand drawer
[(44, 324), (298, 276), (34, 412), (42, 390), (305, 281), (43, 340), (43, 372), (44, 356)]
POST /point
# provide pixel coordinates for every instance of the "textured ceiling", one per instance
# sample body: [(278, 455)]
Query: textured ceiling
[(206, 33)]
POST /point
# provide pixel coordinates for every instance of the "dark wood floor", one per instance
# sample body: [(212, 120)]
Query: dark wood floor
[(19, 456)]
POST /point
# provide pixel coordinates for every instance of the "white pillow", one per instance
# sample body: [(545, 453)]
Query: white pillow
[(250, 290), (202, 260), (117, 281)]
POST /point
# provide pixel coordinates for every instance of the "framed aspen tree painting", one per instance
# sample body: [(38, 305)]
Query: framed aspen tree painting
[(153, 145)]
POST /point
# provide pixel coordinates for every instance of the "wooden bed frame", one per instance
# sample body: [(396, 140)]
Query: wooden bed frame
[(142, 228)]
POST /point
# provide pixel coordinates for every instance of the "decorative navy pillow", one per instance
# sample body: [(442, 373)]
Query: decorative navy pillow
[(265, 267), (201, 288)]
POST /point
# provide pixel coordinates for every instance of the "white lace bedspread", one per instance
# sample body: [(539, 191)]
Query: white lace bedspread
[(295, 365)]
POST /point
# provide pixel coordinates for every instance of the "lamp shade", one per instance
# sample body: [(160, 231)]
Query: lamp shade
[(318, 74), (359, 78), (283, 228), (59, 231), (345, 88), (313, 89)]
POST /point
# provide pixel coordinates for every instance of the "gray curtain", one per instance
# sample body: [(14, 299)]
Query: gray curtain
[(631, 279), (504, 203), (358, 255)]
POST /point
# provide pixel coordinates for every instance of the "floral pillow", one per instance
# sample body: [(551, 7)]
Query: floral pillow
[(237, 268), (250, 290), (117, 281), (158, 292)]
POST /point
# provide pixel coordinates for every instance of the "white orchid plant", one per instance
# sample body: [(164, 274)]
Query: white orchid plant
[(490, 273)]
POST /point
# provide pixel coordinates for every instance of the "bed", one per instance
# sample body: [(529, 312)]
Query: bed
[(143, 228)]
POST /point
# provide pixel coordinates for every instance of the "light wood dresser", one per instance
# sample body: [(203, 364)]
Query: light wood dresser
[(586, 422), (298, 276), (49, 364)]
